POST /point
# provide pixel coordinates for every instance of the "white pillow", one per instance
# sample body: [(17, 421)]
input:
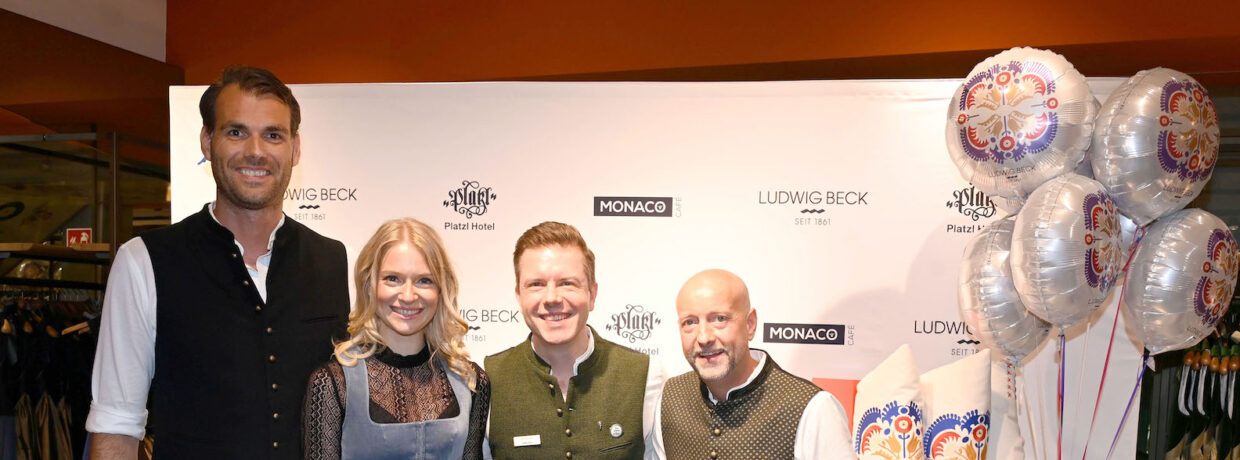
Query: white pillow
[(887, 419), (956, 399)]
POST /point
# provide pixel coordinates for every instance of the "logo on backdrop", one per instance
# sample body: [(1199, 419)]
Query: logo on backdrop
[(814, 206), (316, 203), (963, 339), (633, 324), (636, 206), (471, 200), (817, 334), (971, 203), (480, 319), (974, 204)]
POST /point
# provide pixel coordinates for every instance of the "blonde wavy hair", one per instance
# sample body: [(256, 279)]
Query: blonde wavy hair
[(445, 334)]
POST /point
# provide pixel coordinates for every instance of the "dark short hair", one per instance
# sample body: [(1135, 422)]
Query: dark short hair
[(553, 234), (254, 81)]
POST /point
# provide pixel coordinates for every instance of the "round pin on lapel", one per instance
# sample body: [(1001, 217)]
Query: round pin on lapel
[(616, 431)]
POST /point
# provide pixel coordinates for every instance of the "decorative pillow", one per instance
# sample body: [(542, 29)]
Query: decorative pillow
[(887, 419), (956, 399)]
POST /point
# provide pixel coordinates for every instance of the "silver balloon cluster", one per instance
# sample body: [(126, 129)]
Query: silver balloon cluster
[(989, 302), (1155, 146), (1022, 129)]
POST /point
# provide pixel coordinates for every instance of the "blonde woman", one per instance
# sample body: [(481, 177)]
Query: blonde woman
[(402, 385)]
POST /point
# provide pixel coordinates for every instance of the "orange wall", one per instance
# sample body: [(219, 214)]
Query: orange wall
[(452, 40)]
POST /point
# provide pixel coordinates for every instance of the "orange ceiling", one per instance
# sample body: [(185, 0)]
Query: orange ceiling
[(436, 40), (66, 81)]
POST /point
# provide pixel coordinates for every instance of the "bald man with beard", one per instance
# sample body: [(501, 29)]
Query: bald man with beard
[(737, 403)]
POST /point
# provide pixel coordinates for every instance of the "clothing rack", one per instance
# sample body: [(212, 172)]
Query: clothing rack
[(46, 352), (1190, 401)]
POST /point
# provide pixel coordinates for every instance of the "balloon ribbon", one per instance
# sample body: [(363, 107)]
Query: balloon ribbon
[(1145, 362), (1059, 395), (1132, 251)]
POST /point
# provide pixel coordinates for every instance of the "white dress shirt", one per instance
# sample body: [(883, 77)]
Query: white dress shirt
[(822, 432), (125, 354)]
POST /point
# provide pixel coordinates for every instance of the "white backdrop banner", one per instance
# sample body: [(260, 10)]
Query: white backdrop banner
[(836, 201)]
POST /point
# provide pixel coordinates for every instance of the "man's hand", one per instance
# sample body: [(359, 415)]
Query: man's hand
[(107, 446)]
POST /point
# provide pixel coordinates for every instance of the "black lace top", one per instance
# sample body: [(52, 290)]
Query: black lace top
[(403, 389)]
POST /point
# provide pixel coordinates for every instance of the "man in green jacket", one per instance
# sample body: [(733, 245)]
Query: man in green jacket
[(737, 403), (566, 392)]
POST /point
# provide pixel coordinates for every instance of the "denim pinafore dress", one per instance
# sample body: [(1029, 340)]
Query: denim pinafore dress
[(362, 438)]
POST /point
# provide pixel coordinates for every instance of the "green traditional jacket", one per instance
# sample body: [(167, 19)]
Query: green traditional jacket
[(758, 420), (600, 418)]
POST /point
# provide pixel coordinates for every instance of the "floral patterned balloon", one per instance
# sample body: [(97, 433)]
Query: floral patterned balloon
[(1067, 249), (1181, 279), (1020, 118), (1156, 143)]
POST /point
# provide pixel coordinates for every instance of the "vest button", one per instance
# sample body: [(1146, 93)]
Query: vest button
[(269, 331), (275, 445), (714, 454), (568, 455), (275, 416), (271, 358), (559, 412), (551, 386), (234, 255), (568, 432), (275, 387), (245, 283), (258, 308), (716, 432)]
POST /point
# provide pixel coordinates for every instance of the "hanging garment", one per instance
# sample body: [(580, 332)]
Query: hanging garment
[(8, 438), (64, 437), (24, 419), (1196, 449), (431, 439), (1177, 452), (51, 433)]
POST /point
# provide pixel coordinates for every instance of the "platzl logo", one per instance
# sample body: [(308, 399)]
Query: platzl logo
[(470, 200), (634, 323), (971, 202)]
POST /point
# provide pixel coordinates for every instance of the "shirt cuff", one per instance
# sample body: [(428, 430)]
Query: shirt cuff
[(114, 421)]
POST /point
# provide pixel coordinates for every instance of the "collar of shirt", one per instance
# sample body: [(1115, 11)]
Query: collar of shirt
[(755, 354), (264, 259), (584, 356)]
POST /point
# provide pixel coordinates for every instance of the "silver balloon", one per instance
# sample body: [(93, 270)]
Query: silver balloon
[(1067, 249), (1157, 142), (1180, 280), (988, 300), (1010, 206), (1021, 117), (1086, 167)]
